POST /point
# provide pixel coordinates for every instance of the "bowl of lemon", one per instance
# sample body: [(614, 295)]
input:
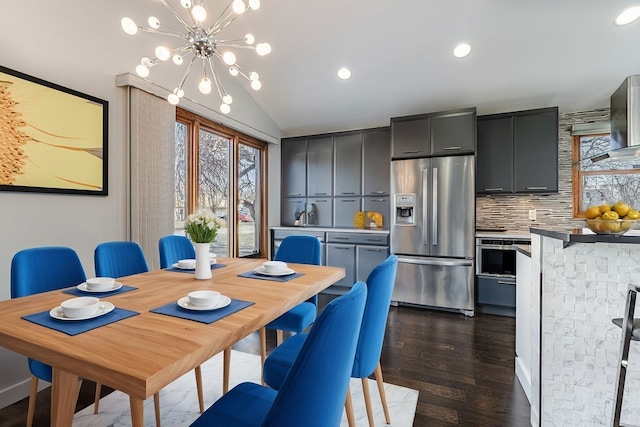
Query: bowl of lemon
[(607, 218)]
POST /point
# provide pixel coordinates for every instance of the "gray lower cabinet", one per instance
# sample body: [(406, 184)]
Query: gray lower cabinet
[(278, 235), (379, 204), (344, 210), (496, 296), (367, 258), (342, 255)]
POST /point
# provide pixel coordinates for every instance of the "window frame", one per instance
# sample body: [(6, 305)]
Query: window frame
[(194, 124)]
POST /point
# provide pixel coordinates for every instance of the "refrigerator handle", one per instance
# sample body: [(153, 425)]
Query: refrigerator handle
[(434, 204), (425, 207)]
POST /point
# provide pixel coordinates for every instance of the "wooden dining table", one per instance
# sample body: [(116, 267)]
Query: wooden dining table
[(142, 354)]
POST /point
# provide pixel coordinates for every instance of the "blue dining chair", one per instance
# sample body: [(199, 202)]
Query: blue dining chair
[(313, 393), (298, 250), (367, 357), (38, 270), (123, 258), (174, 248)]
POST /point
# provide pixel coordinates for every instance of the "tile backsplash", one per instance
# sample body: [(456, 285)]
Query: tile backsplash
[(512, 212)]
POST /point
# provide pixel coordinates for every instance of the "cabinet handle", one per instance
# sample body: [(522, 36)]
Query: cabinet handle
[(348, 193), (378, 192), (347, 200), (536, 188), (452, 148), (374, 240), (320, 201), (294, 194), (378, 200), (500, 282), (374, 250), (319, 194), (342, 247), (340, 238), (494, 189), (411, 152)]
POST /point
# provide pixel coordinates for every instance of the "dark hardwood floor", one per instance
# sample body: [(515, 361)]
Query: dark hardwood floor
[(463, 368)]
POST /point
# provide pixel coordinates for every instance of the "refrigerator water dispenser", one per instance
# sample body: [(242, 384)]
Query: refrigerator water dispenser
[(405, 208)]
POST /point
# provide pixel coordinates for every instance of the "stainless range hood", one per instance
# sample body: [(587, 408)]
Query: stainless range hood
[(625, 123)]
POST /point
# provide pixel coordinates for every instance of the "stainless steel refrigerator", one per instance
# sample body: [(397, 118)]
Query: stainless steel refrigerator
[(433, 231)]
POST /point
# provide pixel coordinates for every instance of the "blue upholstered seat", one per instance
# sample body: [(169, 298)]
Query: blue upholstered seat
[(313, 393), (367, 357), (174, 248), (119, 259), (40, 270)]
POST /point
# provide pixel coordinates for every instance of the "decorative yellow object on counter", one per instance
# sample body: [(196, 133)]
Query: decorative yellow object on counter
[(360, 220), (374, 219)]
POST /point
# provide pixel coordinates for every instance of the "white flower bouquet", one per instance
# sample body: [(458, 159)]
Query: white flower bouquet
[(202, 227)]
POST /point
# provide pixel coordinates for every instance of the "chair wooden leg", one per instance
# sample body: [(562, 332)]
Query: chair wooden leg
[(156, 406), (96, 400), (226, 367), (32, 400), (348, 407), (263, 351), (383, 396), (279, 337), (367, 400), (198, 372)]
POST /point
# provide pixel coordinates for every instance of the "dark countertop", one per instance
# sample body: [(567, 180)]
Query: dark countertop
[(523, 249), (584, 235)]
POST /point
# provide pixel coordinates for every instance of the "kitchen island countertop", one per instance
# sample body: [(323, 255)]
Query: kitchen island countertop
[(571, 235)]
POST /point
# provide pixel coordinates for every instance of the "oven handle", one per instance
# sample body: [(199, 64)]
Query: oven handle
[(499, 247)]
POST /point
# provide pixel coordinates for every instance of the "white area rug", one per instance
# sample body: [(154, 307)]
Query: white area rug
[(179, 400)]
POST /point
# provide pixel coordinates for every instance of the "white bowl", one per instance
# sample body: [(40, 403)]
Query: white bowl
[(80, 307), (100, 283), (187, 263), (274, 267), (204, 298)]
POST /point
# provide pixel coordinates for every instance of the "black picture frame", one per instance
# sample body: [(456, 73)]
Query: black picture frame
[(52, 139)]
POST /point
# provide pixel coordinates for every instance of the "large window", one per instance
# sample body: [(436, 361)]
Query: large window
[(600, 182), (222, 170)]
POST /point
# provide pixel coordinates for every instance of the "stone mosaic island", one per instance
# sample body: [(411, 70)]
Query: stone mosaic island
[(579, 283)]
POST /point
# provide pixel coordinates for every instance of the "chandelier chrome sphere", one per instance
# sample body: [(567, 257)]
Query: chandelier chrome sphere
[(201, 42)]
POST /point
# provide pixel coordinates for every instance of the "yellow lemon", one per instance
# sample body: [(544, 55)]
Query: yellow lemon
[(605, 207), (633, 214), (592, 212), (621, 208), (610, 215)]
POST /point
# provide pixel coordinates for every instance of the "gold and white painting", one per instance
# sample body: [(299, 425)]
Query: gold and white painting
[(52, 139)]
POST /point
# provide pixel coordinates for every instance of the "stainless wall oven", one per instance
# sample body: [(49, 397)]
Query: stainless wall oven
[(496, 274)]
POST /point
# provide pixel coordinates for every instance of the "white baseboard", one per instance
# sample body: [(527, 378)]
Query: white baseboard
[(19, 391), (524, 377)]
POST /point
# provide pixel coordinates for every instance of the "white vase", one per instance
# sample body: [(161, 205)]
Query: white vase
[(203, 262)]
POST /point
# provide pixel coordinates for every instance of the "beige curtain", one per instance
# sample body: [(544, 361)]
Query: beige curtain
[(151, 171)]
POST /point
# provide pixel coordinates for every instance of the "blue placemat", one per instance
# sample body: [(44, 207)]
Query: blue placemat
[(173, 309), (79, 293), (253, 275), (75, 327), (193, 270)]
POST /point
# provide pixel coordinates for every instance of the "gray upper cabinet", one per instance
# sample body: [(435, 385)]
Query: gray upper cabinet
[(495, 155), (291, 208), (435, 134), (348, 164), (319, 212), (410, 136), (294, 167), (320, 166), (518, 152), (535, 146), (453, 132), (376, 152)]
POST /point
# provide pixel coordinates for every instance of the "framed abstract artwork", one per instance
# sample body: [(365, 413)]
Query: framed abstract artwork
[(52, 139)]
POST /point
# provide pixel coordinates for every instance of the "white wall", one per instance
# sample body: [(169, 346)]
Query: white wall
[(80, 45)]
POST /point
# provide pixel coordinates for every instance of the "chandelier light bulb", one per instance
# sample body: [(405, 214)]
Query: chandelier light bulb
[(233, 71), (253, 76), (162, 53), (227, 99), (198, 13), (628, 16), (179, 92), (142, 71), (238, 6), (249, 39), (173, 99), (225, 108), (153, 22), (177, 59), (263, 49), (129, 26), (205, 86), (256, 85), (254, 4), (185, 3), (146, 62), (229, 58)]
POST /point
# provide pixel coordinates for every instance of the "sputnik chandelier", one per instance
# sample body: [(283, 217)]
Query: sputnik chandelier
[(202, 42)]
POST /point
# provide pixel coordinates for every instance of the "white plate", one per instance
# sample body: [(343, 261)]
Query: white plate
[(83, 287), (103, 308), (261, 270), (223, 301), (175, 265)]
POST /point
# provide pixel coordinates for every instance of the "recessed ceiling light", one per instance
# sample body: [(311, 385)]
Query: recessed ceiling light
[(344, 73), (628, 16), (462, 50)]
